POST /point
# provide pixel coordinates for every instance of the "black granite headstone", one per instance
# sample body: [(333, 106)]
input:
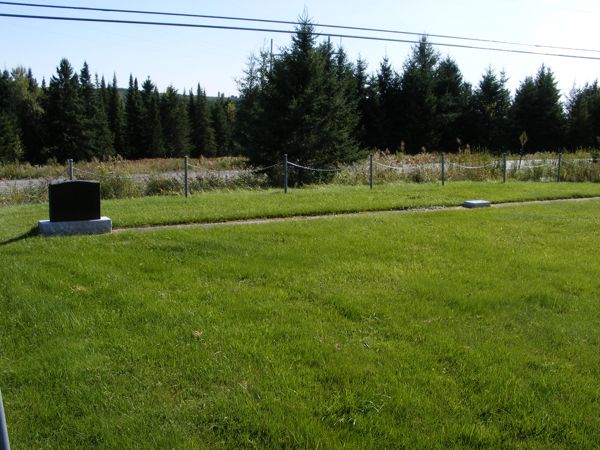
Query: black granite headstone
[(74, 200)]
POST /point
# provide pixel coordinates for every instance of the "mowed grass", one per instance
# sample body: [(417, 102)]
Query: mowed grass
[(447, 329), (328, 199)]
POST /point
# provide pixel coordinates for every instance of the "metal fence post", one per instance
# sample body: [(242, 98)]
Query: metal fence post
[(443, 169), (371, 171), (185, 179), (4, 444), (558, 169), (504, 167), (285, 174), (70, 170)]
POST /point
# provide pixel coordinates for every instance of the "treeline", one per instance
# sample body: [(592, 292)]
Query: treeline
[(309, 101), (313, 104), (75, 117)]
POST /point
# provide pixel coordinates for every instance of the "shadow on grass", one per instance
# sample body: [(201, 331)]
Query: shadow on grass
[(34, 231)]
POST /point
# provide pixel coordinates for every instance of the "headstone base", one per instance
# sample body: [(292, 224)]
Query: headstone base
[(476, 203), (97, 226)]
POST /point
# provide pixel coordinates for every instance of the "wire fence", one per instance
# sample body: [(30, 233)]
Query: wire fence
[(218, 172), (313, 169), (444, 170), (376, 170)]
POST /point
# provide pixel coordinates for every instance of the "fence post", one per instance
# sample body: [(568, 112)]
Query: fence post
[(4, 444), (443, 169), (504, 167), (285, 174), (70, 170), (371, 171), (558, 170), (185, 179)]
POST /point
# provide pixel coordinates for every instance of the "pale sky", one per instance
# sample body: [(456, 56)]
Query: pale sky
[(216, 58)]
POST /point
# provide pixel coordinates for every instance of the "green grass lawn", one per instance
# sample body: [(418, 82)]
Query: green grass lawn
[(329, 199), (446, 329)]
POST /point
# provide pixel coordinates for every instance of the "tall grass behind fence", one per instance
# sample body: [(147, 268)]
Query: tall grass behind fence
[(474, 167), (578, 167), (53, 170), (115, 185), (122, 179), (392, 168), (580, 170), (24, 195)]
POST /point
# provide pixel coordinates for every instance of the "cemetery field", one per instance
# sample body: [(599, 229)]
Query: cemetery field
[(441, 329), (217, 206)]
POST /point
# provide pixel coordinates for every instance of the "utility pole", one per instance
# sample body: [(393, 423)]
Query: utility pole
[(4, 443), (271, 57)]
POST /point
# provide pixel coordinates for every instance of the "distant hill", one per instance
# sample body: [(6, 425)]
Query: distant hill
[(211, 99)]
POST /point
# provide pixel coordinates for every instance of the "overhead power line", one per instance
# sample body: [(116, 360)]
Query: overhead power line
[(286, 22), (269, 30)]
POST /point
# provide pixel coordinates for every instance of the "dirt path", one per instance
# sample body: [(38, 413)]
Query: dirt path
[(333, 215)]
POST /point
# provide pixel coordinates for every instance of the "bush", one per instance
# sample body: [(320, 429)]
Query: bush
[(242, 180), (163, 186), (580, 170), (120, 187), (25, 195), (20, 171)]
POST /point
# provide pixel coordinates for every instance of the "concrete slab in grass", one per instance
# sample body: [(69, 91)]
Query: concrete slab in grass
[(476, 204), (72, 227)]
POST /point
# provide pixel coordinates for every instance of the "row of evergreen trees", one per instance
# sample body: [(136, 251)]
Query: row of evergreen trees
[(320, 108), (73, 117), (309, 101)]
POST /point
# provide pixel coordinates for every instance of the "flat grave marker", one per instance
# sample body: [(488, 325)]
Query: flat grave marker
[(476, 203)]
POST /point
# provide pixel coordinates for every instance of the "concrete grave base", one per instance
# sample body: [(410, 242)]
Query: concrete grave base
[(97, 226), (476, 203)]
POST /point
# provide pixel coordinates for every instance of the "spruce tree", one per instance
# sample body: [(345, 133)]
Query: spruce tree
[(452, 99), (151, 128), (583, 116), (31, 117), (103, 92), (220, 125), (523, 113), (65, 116), (250, 113), (490, 113), (361, 79), (175, 124), (116, 116), (97, 140), (89, 108), (418, 97), (10, 140), (303, 108), (134, 147), (551, 122), (202, 135), (5, 91), (11, 148), (25, 98), (368, 131), (343, 97), (231, 117), (390, 108), (538, 111)]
